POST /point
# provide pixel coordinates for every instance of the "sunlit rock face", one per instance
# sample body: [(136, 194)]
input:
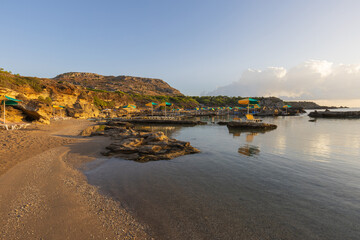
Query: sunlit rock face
[(127, 84)]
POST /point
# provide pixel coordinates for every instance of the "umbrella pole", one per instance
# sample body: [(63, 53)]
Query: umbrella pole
[(152, 110), (4, 111)]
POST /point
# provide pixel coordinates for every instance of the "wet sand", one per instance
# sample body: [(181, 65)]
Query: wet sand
[(43, 196)]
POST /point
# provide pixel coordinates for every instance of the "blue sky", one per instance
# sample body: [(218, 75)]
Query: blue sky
[(196, 46)]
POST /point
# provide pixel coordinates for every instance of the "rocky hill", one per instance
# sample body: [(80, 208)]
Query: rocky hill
[(127, 84), (39, 94), (81, 99)]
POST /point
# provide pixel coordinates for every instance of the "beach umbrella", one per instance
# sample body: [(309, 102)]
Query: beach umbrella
[(5, 100), (286, 107), (164, 104), (151, 104), (129, 106), (58, 107), (248, 101)]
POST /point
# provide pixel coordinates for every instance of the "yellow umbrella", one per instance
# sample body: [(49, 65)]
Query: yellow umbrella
[(286, 107), (164, 104), (248, 101), (58, 107), (151, 104)]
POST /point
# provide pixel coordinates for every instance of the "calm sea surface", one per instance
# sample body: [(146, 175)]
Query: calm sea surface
[(300, 181)]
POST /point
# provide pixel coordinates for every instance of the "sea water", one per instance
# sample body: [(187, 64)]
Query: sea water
[(299, 181)]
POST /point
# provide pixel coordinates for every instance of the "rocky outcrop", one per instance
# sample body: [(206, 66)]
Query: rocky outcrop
[(77, 101), (309, 105), (271, 103), (127, 84), (143, 146), (251, 125), (334, 114)]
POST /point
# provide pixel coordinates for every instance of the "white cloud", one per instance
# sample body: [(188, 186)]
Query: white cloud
[(313, 79)]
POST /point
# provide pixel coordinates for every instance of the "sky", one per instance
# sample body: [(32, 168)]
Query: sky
[(197, 46)]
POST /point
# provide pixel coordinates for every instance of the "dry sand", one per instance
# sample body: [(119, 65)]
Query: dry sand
[(42, 195)]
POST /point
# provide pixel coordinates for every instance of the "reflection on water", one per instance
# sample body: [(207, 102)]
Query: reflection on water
[(249, 150), (169, 131), (304, 184)]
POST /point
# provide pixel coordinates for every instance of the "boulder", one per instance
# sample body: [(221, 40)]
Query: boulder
[(155, 137), (149, 149), (89, 131)]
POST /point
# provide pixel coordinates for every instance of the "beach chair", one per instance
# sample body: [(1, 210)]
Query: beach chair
[(237, 119), (14, 126), (250, 118)]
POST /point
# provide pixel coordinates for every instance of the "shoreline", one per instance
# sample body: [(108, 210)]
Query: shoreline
[(44, 194)]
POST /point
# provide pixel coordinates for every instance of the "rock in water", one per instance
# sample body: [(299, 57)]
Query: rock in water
[(143, 146)]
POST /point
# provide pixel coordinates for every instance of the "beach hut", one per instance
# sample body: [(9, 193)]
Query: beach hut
[(5, 100), (151, 104), (164, 104)]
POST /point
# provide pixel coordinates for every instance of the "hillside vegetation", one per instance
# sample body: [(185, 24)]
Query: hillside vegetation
[(127, 84)]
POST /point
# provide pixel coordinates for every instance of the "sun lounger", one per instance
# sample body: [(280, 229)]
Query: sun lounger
[(250, 118), (14, 126), (237, 119)]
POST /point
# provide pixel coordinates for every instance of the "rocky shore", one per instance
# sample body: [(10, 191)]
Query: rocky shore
[(44, 196), (140, 145), (334, 114)]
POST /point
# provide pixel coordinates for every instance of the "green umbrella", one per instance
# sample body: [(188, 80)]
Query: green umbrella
[(286, 107), (151, 104), (10, 102), (164, 104), (129, 106), (248, 101)]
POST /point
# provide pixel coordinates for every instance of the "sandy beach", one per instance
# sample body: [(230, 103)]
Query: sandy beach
[(44, 196)]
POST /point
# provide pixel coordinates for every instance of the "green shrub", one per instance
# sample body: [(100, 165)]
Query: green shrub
[(103, 104)]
